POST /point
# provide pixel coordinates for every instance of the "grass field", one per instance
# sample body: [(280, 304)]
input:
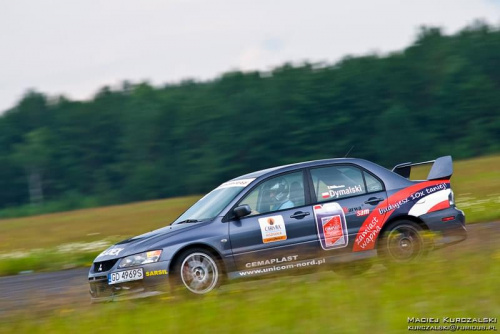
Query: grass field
[(90, 224), (461, 281), (379, 301), (41, 242)]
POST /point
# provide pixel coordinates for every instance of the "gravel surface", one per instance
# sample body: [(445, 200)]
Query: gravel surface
[(69, 288)]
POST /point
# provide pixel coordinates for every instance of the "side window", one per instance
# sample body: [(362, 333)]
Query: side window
[(372, 184), (278, 193), (337, 182)]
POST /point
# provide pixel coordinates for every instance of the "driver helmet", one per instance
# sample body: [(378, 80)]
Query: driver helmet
[(280, 190)]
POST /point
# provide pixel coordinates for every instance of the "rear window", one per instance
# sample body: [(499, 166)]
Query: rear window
[(372, 184), (335, 182)]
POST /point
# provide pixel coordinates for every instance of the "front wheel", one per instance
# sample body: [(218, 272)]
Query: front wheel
[(401, 243), (197, 271)]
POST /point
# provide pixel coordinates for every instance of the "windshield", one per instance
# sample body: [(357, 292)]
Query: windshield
[(215, 201)]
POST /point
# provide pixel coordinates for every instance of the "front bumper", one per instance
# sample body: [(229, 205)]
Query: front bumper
[(154, 282), (450, 231)]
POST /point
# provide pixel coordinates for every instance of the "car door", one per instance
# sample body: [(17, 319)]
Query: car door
[(281, 227), (343, 197)]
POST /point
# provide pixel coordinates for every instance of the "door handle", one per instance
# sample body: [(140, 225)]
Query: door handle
[(374, 200), (299, 215)]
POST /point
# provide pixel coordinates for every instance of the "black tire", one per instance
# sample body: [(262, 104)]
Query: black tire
[(402, 242), (196, 272), (354, 268)]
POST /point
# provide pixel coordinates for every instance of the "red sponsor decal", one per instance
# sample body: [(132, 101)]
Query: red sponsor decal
[(346, 210), (325, 195), (369, 231), (332, 230), (440, 206)]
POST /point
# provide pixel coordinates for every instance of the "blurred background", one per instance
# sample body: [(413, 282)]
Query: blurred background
[(114, 102), (190, 94)]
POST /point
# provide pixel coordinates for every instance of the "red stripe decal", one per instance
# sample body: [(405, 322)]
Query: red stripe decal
[(369, 231), (440, 206)]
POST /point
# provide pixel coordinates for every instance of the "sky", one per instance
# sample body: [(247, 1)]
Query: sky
[(75, 47)]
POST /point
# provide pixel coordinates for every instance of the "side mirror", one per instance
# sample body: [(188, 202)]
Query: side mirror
[(242, 210)]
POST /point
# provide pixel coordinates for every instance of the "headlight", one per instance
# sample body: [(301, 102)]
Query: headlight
[(138, 259)]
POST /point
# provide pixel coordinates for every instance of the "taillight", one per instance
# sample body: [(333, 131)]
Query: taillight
[(451, 198)]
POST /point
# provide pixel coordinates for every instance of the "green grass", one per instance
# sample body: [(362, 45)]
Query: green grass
[(476, 184), (40, 243), (453, 282), (89, 225), (45, 260), (380, 301), (65, 256)]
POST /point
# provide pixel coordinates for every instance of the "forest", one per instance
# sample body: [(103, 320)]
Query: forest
[(438, 96)]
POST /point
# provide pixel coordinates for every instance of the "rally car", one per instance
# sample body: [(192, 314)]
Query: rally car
[(307, 215)]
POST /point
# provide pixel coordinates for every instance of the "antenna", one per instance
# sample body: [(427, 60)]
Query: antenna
[(349, 151)]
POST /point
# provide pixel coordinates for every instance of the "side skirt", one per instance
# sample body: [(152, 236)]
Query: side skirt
[(317, 262)]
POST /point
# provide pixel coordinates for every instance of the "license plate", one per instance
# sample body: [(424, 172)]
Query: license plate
[(125, 276)]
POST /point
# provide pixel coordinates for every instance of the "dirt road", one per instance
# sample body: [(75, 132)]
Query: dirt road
[(66, 288)]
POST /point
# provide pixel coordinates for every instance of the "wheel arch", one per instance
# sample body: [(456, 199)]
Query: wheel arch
[(389, 222), (203, 246)]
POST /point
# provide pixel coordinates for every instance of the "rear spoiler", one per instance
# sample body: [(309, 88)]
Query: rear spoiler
[(442, 168)]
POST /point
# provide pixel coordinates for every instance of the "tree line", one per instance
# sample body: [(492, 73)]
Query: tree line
[(439, 96)]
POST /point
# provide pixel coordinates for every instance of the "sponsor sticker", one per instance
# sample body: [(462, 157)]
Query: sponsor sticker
[(332, 230), (236, 183), (111, 251), (331, 225), (367, 237), (340, 192), (156, 272), (272, 228), (271, 261), (349, 210), (286, 266), (435, 201), (363, 212), (413, 197), (404, 201)]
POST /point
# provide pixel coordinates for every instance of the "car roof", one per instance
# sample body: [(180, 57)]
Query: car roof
[(391, 180), (284, 168)]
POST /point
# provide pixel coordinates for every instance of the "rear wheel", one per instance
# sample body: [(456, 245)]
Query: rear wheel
[(402, 242), (197, 271)]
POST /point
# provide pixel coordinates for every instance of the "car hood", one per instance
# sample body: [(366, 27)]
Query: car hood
[(144, 242)]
